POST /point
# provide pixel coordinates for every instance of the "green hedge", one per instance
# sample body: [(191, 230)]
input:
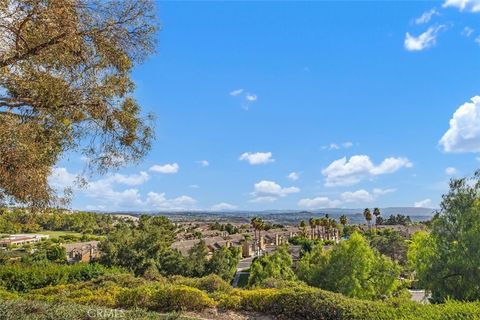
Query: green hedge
[(311, 303), (285, 300), (38, 310), (22, 278)]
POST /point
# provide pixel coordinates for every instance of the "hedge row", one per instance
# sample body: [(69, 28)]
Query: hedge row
[(38, 310), (294, 301), (22, 278)]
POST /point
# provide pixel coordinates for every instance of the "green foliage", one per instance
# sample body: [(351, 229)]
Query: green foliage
[(196, 262), (395, 220), (22, 278), (19, 220), (164, 298), (40, 310), (351, 268), (391, 244), (447, 262), (228, 227), (224, 262), (313, 304), (275, 265), (136, 248)]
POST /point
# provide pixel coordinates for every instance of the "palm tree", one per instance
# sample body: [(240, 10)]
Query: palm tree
[(333, 225), (303, 228), (255, 223), (376, 213), (343, 220), (324, 223), (368, 216), (312, 224), (261, 226)]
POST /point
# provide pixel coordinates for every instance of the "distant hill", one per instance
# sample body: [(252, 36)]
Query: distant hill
[(289, 216)]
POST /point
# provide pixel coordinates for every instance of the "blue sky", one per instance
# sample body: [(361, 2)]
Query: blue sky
[(274, 105)]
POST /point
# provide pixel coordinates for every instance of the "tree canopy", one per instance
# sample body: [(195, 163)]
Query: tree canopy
[(351, 268), (65, 85), (447, 260)]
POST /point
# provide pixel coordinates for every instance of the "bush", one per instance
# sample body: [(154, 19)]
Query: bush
[(22, 278), (164, 298), (180, 297), (210, 284), (38, 310)]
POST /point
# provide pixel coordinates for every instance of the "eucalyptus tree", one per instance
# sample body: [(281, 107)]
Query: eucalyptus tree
[(65, 86)]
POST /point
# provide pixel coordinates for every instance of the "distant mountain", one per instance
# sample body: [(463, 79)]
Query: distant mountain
[(288, 216)]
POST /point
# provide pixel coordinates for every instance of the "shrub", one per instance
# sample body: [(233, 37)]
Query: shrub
[(22, 278), (211, 283), (166, 298), (180, 297)]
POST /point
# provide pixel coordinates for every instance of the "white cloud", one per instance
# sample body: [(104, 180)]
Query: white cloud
[(129, 180), (426, 203), (336, 146), (318, 202), (203, 163), (257, 157), (378, 192), (250, 97), (263, 200), (451, 171), (223, 206), (424, 40), (103, 193), (464, 132), (159, 201), (363, 195), (269, 191), (194, 186), (343, 172), (60, 178), (236, 92), (467, 31), (426, 16), (168, 168), (357, 196), (294, 176), (477, 40), (463, 5)]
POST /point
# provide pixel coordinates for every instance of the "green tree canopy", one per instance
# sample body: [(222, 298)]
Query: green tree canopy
[(65, 85), (351, 268), (447, 261), (276, 265)]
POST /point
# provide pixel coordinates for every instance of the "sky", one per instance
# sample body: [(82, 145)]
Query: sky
[(287, 105)]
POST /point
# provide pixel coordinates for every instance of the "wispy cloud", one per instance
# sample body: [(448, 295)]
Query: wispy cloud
[(463, 5), (236, 92), (251, 97), (467, 31), (427, 16), (426, 203), (203, 163), (294, 176), (423, 41), (337, 146)]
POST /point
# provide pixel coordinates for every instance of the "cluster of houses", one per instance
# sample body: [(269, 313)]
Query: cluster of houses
[(22, 239), (250, 244), (76, 252)]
